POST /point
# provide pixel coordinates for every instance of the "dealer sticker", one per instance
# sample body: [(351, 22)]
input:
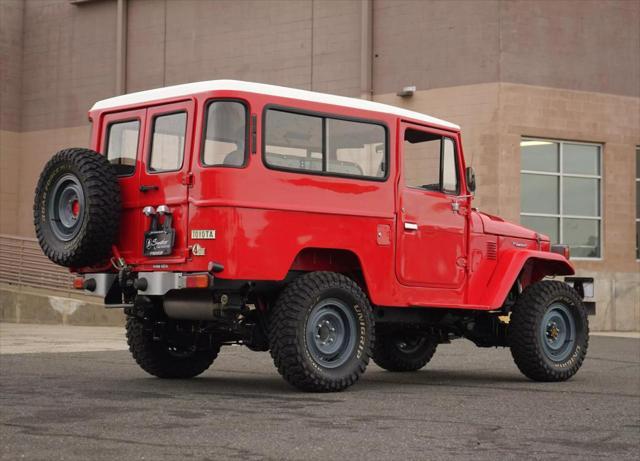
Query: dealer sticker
[(203, 234)]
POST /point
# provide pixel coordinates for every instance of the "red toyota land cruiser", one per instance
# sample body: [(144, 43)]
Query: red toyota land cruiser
[(327, 230)]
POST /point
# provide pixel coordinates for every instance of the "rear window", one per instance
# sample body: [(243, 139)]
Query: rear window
[(324, 145), (167, 148), (225, 134), (122, 146)]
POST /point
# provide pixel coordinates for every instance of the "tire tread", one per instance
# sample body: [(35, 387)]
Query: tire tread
[(283, 331), (103, 204), (523, 331)]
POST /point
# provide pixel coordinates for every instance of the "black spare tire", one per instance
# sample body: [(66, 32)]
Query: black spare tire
[(76, 211)]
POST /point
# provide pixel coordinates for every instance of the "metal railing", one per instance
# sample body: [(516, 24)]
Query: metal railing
[(23, 263)]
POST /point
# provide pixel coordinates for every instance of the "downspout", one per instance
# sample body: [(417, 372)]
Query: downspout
[(366, 49), (121, 47)]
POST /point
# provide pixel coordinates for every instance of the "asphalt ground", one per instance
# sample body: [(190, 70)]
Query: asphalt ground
[(468, 403)]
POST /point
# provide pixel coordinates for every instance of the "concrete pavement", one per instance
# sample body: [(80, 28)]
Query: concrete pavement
[(467, 403)]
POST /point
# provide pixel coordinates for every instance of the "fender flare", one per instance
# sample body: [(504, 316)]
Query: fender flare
[(529, 266)]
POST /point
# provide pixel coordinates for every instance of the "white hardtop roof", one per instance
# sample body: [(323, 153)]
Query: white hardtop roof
[(188, 89)]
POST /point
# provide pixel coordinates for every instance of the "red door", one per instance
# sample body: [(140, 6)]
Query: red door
[(163, 187), (432, 224), (122, 141)]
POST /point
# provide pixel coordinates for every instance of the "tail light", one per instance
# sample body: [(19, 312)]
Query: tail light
[(563, 250), (198, 281), (78, 283)]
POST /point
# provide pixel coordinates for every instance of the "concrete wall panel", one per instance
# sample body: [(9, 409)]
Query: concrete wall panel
[(11, 33), (587, 45), (68, 61), (434, 44)]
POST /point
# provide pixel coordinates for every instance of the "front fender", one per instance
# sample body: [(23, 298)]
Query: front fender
[(527, 265)]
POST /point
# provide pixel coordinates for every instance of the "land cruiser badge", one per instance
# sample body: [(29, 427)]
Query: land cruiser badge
[(203, 234), (197, 250)]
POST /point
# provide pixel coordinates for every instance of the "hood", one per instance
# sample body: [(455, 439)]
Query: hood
[(498, 226)]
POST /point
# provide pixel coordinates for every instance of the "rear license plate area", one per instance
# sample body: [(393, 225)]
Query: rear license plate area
[(159, 242)]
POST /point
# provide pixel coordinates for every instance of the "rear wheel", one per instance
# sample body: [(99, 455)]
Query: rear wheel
[(403, 351), (76, 210), (549, 332), (166, 357), (321, 331)]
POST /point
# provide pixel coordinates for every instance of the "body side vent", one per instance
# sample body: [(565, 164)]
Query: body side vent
[(492, 250)]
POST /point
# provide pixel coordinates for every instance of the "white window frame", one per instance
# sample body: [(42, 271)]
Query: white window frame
[(560, 174)]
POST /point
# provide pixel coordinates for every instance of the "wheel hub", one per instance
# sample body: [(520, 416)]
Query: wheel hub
[(65, 205), (331, 333), (552, 331), (558, 332), (326, 332), (410, 344)]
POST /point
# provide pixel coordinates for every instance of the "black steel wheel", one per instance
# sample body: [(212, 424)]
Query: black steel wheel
[(321, 332), (403, 350), (76, 210), (549, 331)]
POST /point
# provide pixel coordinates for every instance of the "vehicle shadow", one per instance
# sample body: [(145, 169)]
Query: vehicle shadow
[(272, 386)]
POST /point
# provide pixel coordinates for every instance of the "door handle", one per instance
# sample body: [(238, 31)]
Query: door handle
[(410, 226), (147, 188)]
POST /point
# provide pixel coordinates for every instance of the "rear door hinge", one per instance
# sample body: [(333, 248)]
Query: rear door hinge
[(187, 179)]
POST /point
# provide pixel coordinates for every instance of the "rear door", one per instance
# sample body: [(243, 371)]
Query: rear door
[(123, 143), (164, 180)]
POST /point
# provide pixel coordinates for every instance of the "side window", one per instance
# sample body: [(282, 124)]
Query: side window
[(355, 148), (324, 144), (293, 141), (122, 146), (449, 170), (225, 134), (167, 146), (430, 162)]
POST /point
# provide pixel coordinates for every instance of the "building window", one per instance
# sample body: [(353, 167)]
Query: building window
[(560, 193), (638, 202)]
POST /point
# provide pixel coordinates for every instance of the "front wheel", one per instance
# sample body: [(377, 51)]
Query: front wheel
[(321, 332), (549, 332)]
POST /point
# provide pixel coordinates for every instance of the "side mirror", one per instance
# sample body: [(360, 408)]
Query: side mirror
[(471, 179)]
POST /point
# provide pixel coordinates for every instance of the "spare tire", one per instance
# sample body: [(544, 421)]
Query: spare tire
[(76, 211)]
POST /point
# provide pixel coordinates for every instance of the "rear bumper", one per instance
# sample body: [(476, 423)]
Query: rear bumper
[(107, 285)]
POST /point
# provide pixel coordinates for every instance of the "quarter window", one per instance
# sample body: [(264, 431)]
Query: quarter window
[(355, 148), (560, 194), (122, 146), (225, 134), (293, 141), (324, 145), (430, 162), (167, 148)]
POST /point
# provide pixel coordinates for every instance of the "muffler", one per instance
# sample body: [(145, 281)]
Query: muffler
[(193, 304)]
